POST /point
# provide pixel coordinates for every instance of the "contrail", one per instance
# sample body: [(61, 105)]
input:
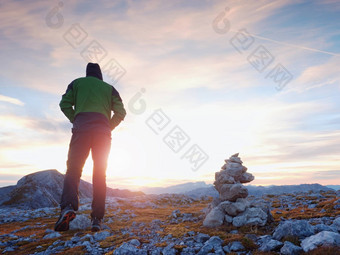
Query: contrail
[(294, 45)]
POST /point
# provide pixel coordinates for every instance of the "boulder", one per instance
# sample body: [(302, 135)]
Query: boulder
[(235, 172), (169, 250), (336, 224), (236, 246), (52, 235), (324, 238), (252, 216), (299, 228), (231, 192), (80, 222), (228, 219), (214, 218), (128, 248), (223, 178), (43, 189), (289, 248), (233, 209), (265, 206), (263, 239), (100, 236), (322, 227), (202, 238), (271, 245), (233, 167), (235, 159), (214, 243), (216, 201), (246, 177)]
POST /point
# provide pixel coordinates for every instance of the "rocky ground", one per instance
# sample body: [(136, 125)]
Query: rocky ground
[(304, 223)]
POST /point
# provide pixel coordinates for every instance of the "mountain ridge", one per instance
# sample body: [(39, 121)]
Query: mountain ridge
[(44, 188), (178, 188), (191, 189)]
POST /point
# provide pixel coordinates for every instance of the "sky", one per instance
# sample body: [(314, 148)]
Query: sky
[(200, 80)]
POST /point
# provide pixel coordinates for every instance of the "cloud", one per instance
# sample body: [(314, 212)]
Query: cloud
[(271, 135), (326, 175), (7, 179), (9, 166), (295, 46), (164, 46), (330, 5), (11, 100), (320, 75), (18, 132)]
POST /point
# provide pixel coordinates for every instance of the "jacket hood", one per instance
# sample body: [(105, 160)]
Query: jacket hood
[(93, 69)]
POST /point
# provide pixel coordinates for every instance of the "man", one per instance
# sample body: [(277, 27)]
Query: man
[(93, 100)]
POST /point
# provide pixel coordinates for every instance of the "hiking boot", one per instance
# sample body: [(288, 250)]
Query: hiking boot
[(96, 225), (66, 215)]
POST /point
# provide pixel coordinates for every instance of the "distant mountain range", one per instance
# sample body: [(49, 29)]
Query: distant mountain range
[(179, 188), (335, 187), (43, 189), (198, 189)]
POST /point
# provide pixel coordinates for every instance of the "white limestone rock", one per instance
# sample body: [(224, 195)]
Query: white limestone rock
[(214, 218), (252, 216), (324, 238)]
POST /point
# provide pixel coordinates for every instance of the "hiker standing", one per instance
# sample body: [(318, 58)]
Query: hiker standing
[(88, 103)]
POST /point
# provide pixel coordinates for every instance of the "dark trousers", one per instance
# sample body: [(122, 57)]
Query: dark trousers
[(80, 146)]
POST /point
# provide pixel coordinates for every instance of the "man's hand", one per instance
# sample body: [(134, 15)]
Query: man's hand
[(114, 122)]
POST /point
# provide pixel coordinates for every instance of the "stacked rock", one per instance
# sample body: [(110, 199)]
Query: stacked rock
[(232, 207), (228, 180)]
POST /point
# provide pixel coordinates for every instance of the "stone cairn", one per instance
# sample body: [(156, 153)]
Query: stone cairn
[(232, 206)]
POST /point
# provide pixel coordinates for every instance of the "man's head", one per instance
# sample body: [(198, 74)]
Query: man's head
[(93, 69)]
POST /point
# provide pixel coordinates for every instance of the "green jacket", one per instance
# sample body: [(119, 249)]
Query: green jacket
[(89, 100)]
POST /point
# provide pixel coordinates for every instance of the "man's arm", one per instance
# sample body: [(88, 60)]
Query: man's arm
[(67, 102), (118, 109)]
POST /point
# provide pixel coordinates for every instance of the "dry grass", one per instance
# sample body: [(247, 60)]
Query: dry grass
[(293, 239), (324, 208), (325, 251), (249, 244)]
